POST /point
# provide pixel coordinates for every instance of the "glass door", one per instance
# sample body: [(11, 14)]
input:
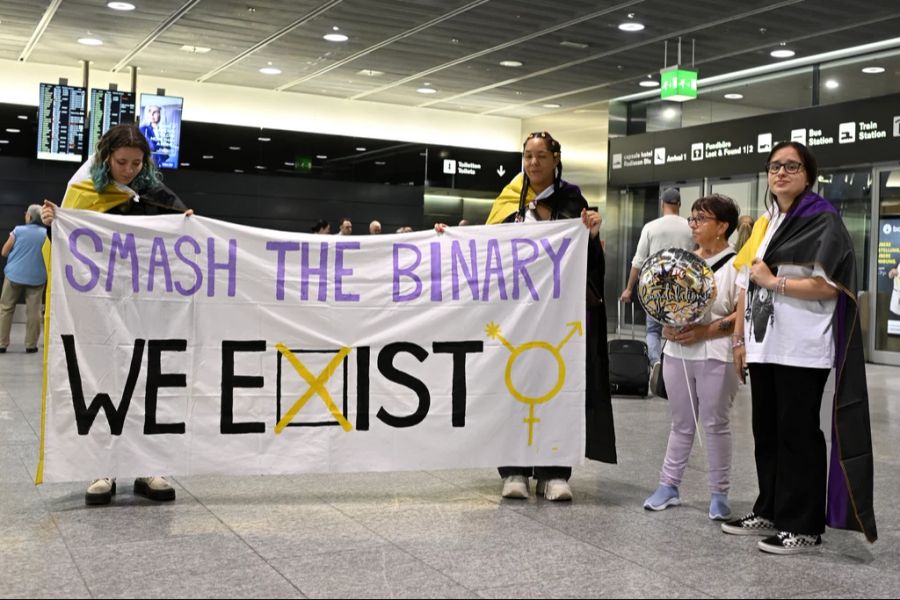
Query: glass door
[(884, 278)]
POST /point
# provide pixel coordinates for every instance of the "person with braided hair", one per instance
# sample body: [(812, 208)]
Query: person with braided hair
[(540, 194)]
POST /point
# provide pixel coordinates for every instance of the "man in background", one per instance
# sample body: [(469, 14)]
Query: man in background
[(668, 231)]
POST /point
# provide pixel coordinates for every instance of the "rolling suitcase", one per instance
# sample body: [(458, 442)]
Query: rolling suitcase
[(629, 365)]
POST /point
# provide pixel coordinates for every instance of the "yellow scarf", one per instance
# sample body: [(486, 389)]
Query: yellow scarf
[(507, 202), (748, 252)]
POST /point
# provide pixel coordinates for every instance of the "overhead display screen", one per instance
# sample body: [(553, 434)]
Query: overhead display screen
[(61, 118), (108, 108), (161, 125)]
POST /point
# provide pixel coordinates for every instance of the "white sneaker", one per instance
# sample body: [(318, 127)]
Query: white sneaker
[(557, 490), (154, 488), (515, 486), (100, 491)]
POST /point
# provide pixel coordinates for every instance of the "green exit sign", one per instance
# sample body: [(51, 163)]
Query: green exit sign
[(303, 164), (678, 84)]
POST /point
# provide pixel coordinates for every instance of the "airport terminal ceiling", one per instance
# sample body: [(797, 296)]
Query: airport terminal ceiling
[(447, 54)]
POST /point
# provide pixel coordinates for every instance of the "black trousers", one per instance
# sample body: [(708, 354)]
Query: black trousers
[(790, 447), (537, 472)]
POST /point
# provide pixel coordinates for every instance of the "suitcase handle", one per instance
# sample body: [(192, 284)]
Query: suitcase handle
[(622, 315)]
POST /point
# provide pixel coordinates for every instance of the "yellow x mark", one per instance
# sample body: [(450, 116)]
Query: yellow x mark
[(316, 386)]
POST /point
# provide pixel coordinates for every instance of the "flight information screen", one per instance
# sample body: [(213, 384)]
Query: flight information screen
[(61, 115), (108, 108)]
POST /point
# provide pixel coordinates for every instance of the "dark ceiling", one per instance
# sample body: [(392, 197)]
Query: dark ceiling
[(572, 53)]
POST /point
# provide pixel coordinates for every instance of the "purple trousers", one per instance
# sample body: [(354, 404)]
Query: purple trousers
[(712, 384)]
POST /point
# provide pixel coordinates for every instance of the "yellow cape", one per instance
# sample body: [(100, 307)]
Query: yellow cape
[(507, 202)]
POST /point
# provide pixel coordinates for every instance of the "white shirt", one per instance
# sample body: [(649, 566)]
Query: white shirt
[(799, 332), (726, 301), (668, 231)]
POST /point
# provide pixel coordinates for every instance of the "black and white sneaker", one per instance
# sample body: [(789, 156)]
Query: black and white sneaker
[(752, 524), (786, 542)]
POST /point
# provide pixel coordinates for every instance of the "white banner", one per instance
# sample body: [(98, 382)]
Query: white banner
[(185, 345)]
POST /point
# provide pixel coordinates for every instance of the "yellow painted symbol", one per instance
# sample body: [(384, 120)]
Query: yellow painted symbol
[(316, 386), (493, 331)]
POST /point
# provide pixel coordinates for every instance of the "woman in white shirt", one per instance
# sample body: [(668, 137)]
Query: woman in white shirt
[(697, 367), (801, 320)]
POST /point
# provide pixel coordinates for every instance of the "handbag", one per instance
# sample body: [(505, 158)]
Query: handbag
[(657, 381)]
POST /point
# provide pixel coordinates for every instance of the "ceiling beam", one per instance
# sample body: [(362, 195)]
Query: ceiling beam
[(275, 36), (168, 22), (39, 30)]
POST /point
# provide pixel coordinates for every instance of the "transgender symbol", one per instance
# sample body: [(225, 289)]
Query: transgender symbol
[(493, 331)]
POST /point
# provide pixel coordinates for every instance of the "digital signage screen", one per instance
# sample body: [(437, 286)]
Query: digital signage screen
[(108, 108), (160, 122), (61, 114)]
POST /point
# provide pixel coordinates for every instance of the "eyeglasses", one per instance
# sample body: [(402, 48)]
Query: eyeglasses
[(699, 220), (791, 167)]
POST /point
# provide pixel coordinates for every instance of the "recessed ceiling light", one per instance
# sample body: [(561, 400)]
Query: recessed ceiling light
[(11, 130), (511, 63), (335, 36), (832, 84), (208, 156), (234, 147), (733, 96), (873, 70), (380, 163), (4, 141), (120, 5), (670, 113), (89, 41), (264, 139), (551, 105), (23, 117), (426, 90), (238, 170), (782, 53), (270, 71), (631, 26), (579, 45), (185, 164), (260, 167), (360, 149), (321, 156), (289, 164), (370, 73), (649, 83), (195, 49)]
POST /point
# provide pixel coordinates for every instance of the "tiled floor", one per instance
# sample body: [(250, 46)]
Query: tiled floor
[(424, 534)]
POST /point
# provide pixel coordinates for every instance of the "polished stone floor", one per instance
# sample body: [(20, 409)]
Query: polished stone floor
[(431, 534)]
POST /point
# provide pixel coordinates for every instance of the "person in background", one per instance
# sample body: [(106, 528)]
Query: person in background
[(800, 320), (346, 227), (120, 178), (542, 195), (697, 369), (374, 228), (322, 227), (26, 274), (668, 231), (745, 227)]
